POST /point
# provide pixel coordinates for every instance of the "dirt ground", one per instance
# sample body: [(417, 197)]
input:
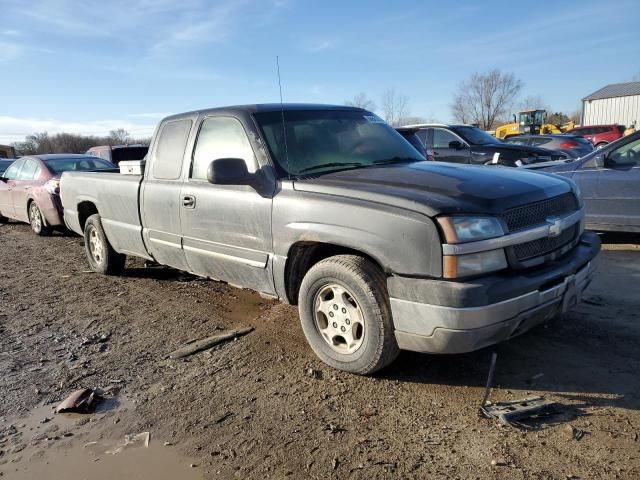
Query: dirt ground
[(252, 408)]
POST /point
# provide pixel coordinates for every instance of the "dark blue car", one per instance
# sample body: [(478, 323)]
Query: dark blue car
[(610, 182)]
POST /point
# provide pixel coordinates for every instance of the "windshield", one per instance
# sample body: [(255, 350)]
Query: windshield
[(59, 165), (475, 136), (327, 140)]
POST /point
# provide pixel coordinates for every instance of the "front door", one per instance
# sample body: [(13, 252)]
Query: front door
[(443, 152), (618, 188), (226, 228), (6, 189), (161, 206)]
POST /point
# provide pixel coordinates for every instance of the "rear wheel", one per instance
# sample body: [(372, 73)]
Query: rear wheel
[(100, 254), (346, 316), (601, 145), (36, 220)]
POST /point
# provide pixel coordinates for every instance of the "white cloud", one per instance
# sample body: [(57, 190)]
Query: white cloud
[(15, 129), (10, 51), (10, 33), (152, 115), (320, 45)]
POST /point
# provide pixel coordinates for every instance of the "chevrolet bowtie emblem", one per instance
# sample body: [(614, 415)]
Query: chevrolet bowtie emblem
[(555, 226)]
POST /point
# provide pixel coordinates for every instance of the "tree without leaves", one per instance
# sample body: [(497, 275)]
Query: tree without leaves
[(361, 101), (395, 107), (485, 98), (119, 136), (41, 143)]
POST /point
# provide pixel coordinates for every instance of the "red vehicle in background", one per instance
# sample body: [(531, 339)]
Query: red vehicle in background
[(30, 188), (599, 135)]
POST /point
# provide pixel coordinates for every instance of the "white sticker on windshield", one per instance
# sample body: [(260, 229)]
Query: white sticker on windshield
[(373, 119)]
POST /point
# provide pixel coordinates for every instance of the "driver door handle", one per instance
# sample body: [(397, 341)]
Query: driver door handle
[(189, 201)]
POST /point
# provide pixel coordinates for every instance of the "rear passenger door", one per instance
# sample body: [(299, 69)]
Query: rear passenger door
[(441, 150), (226, 228), (24, 183), (161, 205)]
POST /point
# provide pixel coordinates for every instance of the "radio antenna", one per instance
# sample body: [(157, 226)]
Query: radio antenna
[(284, 130)]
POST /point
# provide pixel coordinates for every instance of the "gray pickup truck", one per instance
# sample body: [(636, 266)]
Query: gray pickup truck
[(331, 209)]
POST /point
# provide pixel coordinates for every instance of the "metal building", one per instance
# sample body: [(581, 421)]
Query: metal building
[(616, 103)]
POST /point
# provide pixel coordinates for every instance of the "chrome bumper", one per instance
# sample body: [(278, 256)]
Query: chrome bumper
[(429, 328)]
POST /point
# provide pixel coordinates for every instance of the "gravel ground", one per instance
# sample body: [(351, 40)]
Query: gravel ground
[(264, 406)]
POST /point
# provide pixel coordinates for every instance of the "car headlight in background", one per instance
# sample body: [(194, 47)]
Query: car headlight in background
[(53, 186), (455, 266), (461, 229)]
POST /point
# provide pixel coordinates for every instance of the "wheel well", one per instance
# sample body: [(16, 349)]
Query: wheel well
[(85, 210), (304, 255)]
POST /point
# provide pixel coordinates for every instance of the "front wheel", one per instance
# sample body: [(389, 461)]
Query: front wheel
[(36, 220), (346, 316), (100, 254), (601, 145)]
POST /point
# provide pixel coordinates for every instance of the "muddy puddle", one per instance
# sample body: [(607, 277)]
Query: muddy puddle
[(45, 445)]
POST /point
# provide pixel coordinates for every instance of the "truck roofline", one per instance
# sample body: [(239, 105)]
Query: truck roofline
[(263, 107)]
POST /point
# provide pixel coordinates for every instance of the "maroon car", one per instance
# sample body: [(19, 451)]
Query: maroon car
[(599, 135), (30, 188)]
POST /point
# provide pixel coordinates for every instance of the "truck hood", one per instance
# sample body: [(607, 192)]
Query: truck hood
[(433, 188)]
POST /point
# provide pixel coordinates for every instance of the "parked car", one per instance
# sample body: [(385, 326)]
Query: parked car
[(4, 164), (609, 179), (410, 135), (118, 153), (30, 188), (469, 144), (329, 208), (7, 152), (571, 145), (599, 135)]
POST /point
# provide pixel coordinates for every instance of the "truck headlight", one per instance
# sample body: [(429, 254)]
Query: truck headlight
[(455, 266), (461, 229)]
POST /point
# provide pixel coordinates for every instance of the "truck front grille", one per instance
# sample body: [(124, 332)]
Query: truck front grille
[(533, 214), (543, 246)]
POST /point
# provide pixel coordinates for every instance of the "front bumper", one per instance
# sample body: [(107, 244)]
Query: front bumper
[(454, 317)]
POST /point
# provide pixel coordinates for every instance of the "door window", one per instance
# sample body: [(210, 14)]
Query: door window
[(441, 138), (28, 171), (627, 155), (12, 172), (167, 164), (220, 137)]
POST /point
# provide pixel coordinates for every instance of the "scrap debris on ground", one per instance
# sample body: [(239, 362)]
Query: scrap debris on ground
[(265, 407)]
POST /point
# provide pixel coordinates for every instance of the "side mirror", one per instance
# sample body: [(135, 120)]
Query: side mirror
[(4, 179), (229, 171), (456, 145)]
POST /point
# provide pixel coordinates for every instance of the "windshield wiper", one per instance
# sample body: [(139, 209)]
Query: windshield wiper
[(331, 164), (396, 160)]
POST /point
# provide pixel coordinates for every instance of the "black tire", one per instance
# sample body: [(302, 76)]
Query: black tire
[(366, 284), (601, 145), (100, 254), (3, 220), (36, 220)]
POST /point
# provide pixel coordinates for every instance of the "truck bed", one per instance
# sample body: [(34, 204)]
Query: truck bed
[(115, 197)]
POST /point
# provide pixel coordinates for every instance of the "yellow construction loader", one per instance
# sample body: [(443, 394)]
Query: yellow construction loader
[(530, 122)]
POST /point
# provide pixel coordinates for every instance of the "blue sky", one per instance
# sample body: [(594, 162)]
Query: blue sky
[(90, 66)]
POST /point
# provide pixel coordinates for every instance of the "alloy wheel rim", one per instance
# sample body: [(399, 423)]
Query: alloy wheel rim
[(339, 319), (96, 247), (36, 218)]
